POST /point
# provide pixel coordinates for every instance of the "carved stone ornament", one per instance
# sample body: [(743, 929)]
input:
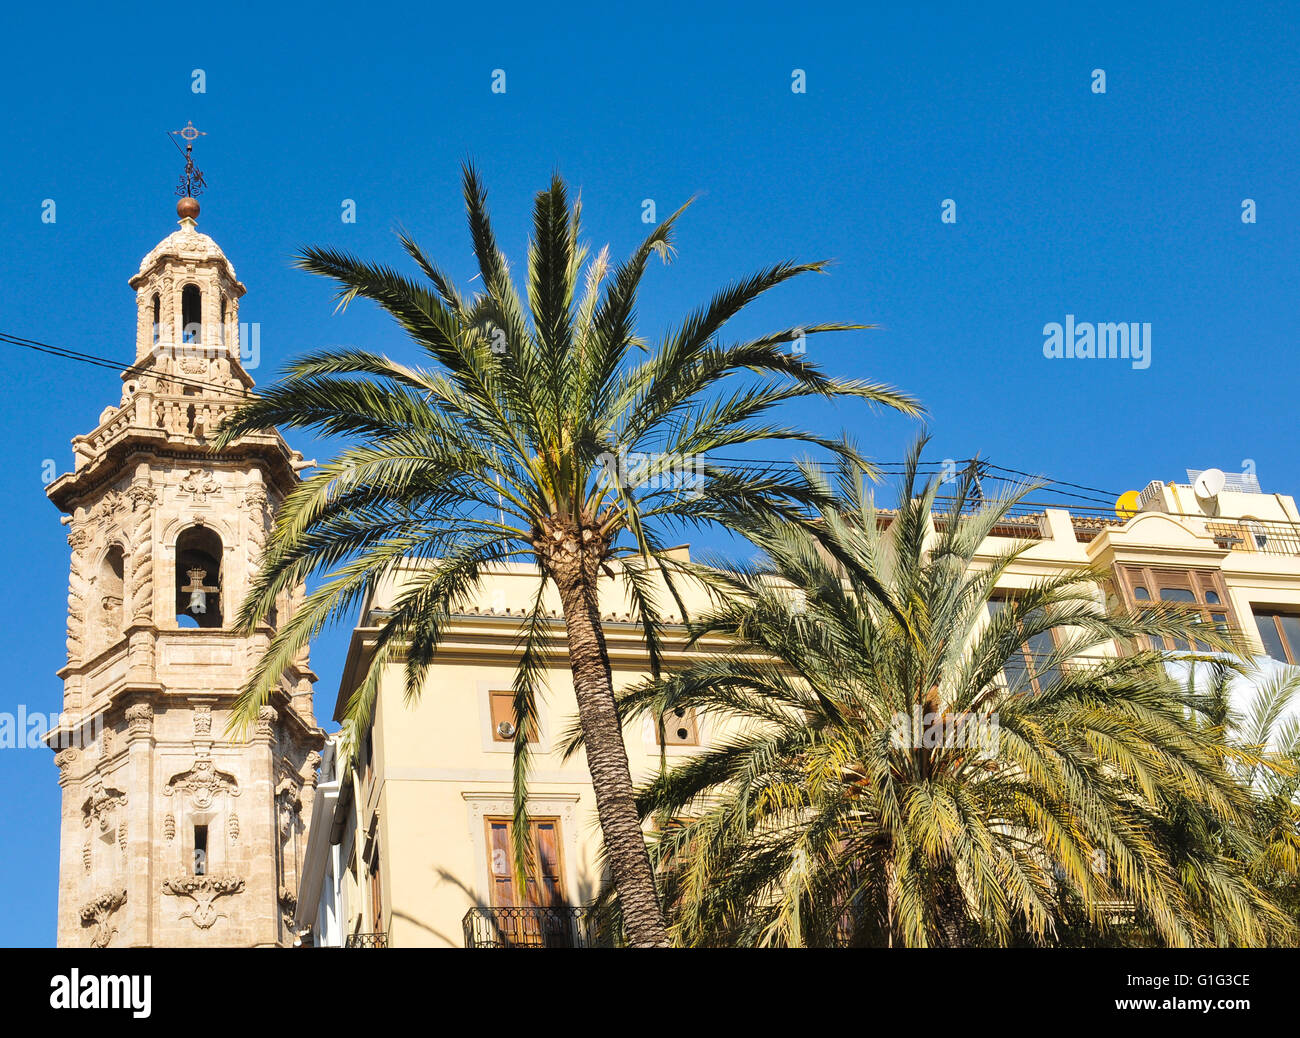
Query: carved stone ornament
[(65, 759), (109, 505), (142, 495), (310, 769), (203, 891), (266, 718), (202, 782), (139, 716), (96, 913), (199, 484), (203, 721), (99, 806)]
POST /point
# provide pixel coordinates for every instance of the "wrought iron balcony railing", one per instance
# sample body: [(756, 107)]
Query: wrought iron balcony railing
[(557, 927), (367, 940), (1266, 537)]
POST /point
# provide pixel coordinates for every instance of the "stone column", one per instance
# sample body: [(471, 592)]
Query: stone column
[(262, 910), (71, 868), (141, 873)]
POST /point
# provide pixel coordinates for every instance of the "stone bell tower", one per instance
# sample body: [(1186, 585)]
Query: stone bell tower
[(174, 833)]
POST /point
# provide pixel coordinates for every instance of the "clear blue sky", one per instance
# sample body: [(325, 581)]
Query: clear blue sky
[(1123, 206)]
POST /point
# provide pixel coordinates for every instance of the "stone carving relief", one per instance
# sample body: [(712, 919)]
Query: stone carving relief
[(108, 508), (96, 913), (139, 717), (288, 796), (288, 906), (202, 721), (311, 768), (199, 484), (203, 891), (101, 805), (202, 783), (110, 617), (266, 718), (64, 759)]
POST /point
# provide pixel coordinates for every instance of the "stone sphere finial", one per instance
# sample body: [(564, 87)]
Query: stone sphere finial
[(188, 208)]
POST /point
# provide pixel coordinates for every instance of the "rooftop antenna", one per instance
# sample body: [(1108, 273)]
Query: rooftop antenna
[(192, 183)]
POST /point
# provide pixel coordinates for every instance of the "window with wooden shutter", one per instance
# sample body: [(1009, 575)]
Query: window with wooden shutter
[(376, 892), (1199, 591), (544, 886), (504, 720), (679, 728)]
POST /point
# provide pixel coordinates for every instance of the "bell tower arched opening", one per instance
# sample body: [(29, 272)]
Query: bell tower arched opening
[(198, 578), (192, 314), (110, 584)]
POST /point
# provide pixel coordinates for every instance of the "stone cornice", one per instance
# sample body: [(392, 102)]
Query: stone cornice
[(139, 443)]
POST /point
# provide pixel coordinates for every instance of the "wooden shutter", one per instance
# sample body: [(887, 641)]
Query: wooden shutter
[(679, 727), (503, 711), (503, 891), (547, 846)]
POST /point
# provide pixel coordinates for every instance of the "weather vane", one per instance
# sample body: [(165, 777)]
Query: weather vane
[(192, 182)]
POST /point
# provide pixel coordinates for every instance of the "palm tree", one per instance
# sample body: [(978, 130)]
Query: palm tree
[(914, 760), (1260, 744), (546, 432)]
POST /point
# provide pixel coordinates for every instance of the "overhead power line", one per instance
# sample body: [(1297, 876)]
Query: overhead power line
[(104, 362), (931, 467)]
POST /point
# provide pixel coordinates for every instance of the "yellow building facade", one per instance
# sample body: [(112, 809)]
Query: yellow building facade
[(413, 850)]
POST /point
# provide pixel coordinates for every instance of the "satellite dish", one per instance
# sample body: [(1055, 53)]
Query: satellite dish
[(1127, 505), (1209, 483)]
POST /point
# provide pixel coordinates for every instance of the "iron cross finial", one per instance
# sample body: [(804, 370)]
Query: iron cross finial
[(192, 182)]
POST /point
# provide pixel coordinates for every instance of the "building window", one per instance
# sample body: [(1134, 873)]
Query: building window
[(1028, 666), (198, 578), (1280, 633), (157, 316), (1200, 591), (376, 891), (504, 719), (679, 728), (200, 850), (544, 886), (191, 314)]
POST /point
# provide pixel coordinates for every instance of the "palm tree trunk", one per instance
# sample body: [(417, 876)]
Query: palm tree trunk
[(607, 759)]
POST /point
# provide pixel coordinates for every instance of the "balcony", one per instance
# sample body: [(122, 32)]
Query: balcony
[(367, 940), (1265, 537), (534, 928)]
